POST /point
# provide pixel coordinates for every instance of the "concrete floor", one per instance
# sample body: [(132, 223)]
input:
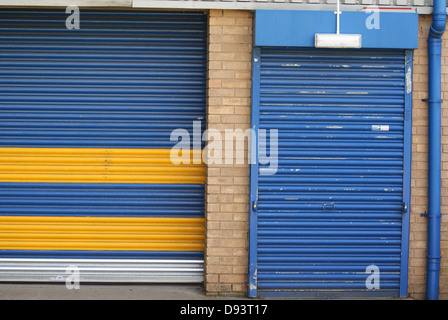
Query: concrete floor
[(22, 291)]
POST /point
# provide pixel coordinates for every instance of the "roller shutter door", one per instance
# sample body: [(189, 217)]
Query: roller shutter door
[(332, 222), (85, 121)]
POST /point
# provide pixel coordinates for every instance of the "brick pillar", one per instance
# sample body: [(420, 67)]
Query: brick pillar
[(227, 185), (419, 175)]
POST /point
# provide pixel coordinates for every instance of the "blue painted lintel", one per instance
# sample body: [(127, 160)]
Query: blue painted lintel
[(287, 28)]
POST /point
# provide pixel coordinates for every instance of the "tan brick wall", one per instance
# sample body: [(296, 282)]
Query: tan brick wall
[(419, 181), (227, 186)]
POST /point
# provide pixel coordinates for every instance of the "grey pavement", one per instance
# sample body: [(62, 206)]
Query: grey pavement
[(58, 291)]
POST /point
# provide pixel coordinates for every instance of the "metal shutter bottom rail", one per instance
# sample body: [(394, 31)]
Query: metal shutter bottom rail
[(103, 270)]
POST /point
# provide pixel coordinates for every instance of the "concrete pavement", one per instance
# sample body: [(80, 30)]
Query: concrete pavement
[(58, 291)]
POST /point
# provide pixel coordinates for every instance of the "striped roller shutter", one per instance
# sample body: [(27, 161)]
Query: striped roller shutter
[(86, 117), (331, 221)]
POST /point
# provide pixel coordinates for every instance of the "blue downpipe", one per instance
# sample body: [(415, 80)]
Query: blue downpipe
[(434, 177)]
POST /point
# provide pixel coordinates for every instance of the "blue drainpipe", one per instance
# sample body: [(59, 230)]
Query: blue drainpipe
[(434, 51)]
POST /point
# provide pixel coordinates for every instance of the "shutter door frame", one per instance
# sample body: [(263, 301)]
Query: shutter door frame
[(128, 187), (254, 185)]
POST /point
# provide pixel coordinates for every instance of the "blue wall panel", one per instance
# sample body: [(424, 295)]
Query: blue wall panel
[(297, 28)]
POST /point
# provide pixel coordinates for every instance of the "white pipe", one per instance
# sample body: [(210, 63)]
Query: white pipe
[(337, 18)]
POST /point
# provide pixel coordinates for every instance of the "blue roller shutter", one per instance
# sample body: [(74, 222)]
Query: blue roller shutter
[(336, 208), (86, 117)]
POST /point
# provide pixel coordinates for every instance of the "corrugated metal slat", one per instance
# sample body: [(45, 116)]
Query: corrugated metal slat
[(101, 233), (96, 165), (102, 270)]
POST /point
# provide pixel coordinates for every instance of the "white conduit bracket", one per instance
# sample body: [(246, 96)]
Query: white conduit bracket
[(337, 40)]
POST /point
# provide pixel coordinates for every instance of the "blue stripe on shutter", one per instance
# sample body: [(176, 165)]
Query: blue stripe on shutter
[(102, 200), (124, 80)]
